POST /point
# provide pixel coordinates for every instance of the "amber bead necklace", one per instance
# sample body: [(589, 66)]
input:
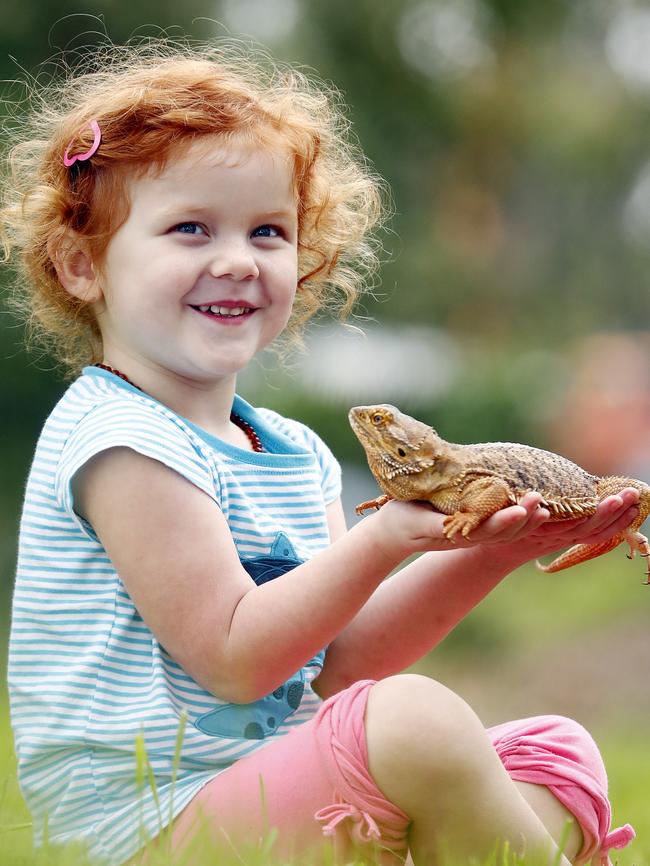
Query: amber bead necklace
[(253, 438)]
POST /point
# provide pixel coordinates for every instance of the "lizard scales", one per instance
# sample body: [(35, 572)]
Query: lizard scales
[(469, 483)]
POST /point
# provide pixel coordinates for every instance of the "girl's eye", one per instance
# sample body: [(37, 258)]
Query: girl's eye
[(267, 231), (189, 229)]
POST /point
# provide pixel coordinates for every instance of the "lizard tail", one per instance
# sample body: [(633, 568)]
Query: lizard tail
[(580, 553)]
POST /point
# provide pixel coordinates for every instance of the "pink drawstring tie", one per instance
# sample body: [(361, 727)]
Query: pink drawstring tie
[(618, 838), (364, 828), (360, 807)]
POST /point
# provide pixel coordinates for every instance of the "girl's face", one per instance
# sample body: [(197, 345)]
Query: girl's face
[(203, 273)]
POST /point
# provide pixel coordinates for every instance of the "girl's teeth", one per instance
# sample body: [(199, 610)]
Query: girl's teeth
[(222, 311), (227, 311)]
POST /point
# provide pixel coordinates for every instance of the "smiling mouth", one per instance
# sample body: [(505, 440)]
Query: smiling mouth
[(218, 311)]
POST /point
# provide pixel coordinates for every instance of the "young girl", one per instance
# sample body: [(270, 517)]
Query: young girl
[(183, 556)]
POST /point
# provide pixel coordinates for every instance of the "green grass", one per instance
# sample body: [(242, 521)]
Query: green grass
[(627, 756)]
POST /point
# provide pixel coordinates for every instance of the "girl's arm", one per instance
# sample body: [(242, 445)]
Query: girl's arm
[(173, 550), (415, 608)]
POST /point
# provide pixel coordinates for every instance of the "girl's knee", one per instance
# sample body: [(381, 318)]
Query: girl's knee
[(418, 723), (428, 752)]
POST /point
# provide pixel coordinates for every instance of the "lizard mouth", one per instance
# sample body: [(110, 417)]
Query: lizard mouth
[(363, 432), (355, 422)]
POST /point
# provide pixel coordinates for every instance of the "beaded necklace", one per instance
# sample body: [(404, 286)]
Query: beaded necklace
[(237, 420)]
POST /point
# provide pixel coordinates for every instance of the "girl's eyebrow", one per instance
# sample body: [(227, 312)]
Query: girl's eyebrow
[(181, 208), (281, 213), (194, 209)]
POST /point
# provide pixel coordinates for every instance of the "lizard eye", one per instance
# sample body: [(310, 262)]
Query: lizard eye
[(401, 452), (377, 418)]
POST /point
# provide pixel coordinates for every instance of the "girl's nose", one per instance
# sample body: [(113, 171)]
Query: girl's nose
[(235, 260)]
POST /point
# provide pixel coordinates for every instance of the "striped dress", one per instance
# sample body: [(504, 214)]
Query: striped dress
[(87, 679)]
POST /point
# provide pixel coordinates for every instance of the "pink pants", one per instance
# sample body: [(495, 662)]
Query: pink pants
[(315, 781)]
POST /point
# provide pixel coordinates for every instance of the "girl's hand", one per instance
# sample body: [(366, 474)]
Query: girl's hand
[(416, 526), (521, 532), (613, 515)]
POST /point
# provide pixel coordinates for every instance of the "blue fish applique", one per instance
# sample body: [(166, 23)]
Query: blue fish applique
[(261, 718)]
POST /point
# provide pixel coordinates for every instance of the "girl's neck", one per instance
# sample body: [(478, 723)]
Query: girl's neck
[(207, 405)]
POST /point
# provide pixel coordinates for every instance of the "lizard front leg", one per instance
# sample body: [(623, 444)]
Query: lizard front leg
[(480, 499), (373, 503)]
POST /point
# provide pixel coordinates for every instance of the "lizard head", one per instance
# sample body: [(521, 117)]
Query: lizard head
[(395, 444)]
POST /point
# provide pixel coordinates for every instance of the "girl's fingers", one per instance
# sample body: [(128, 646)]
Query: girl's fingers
[(620, 523), (530, 519), (614, 514), (514, 521)]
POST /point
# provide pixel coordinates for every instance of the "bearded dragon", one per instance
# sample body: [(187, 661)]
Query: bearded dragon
[(468, 483)]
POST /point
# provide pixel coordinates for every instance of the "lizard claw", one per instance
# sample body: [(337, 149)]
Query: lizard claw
[(460, 522), (372, 503)]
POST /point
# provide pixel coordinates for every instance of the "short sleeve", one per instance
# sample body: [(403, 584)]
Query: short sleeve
[(142, 427), (304, 436), (329, 466)]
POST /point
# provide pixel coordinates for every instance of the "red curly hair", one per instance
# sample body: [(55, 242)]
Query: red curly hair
[(149, 100)]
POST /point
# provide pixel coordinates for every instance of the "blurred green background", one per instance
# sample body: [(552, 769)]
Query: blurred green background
[(513, 302)]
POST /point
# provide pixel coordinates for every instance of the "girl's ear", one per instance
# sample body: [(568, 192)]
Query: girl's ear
[(74, 268)]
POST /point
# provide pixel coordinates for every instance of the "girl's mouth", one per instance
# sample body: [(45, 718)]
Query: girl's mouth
[(222, 312)]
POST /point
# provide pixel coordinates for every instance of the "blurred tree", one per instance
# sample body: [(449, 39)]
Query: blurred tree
[(515, 146), (509, 176)]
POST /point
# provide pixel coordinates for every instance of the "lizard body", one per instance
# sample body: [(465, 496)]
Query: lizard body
[(468, 483)]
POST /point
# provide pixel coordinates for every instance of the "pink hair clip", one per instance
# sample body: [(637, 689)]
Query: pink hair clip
[(81, 157)]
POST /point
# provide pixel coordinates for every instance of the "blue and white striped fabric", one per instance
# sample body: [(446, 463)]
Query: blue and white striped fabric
[(86, 676)]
